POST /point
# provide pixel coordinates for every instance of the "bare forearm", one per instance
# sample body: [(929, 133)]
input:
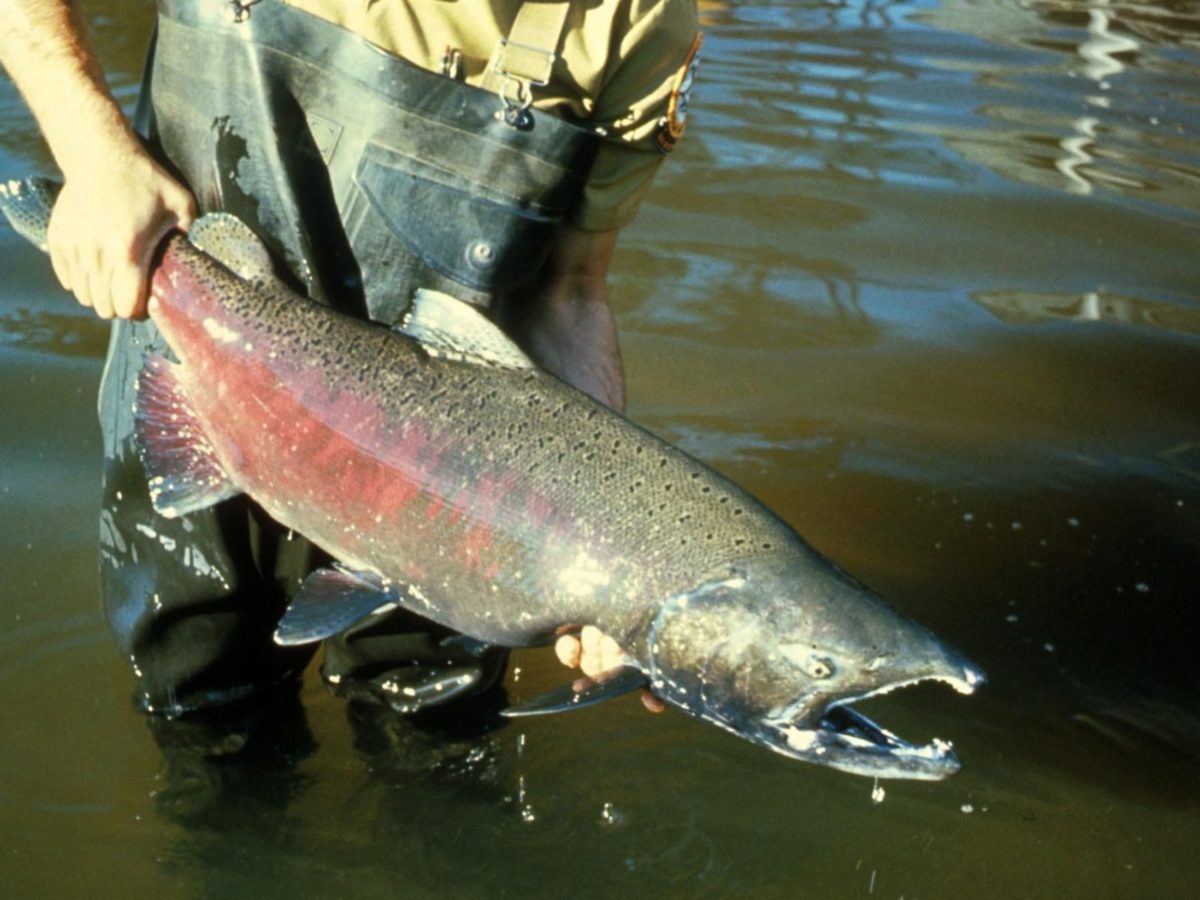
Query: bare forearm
[(577, 340), (565, 323), (117, 204), (45, 48)]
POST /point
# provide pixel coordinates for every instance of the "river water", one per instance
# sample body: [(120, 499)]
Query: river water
[(925, 277)]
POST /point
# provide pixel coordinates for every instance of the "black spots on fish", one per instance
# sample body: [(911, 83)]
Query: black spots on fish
[(486, 398)]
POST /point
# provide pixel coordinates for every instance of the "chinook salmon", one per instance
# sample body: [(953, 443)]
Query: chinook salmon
[(449, 475)]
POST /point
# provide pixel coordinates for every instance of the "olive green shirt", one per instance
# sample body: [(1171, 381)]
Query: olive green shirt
[(623, 67)]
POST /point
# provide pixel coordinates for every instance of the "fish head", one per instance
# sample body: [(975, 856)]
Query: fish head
[(776, 649)]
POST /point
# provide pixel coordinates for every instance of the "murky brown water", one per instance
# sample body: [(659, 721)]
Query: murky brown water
[(925, 277)]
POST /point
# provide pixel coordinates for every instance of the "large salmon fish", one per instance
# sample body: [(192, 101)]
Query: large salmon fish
[(449, 475)]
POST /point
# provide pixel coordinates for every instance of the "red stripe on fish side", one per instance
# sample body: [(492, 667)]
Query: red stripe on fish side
[(303, 449), (327, 461), (312, 456)]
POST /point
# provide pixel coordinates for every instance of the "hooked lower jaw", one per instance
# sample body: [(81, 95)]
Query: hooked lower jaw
[(845, 739)]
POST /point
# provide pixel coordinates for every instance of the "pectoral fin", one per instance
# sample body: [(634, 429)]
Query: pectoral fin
[(582, 692), (331, 600)]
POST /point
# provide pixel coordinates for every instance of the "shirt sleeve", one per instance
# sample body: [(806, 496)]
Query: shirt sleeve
[(642, 109)]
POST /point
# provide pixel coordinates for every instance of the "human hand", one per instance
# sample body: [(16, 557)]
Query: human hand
[(594, 652), (108, 222)]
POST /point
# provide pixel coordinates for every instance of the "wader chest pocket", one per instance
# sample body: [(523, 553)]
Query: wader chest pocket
[(459, 226)]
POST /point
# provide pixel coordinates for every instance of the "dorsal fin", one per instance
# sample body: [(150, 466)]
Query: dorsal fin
[(229, 241), (451, 329)]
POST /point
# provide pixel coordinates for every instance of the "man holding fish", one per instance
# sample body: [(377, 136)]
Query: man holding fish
[(489, 149)]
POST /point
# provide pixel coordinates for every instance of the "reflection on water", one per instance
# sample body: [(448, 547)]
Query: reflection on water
[(1018, 307), (1104, 83), (62, 334), (923, 275)]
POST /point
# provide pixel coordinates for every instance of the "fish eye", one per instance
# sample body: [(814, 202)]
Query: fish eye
[(819, 667)]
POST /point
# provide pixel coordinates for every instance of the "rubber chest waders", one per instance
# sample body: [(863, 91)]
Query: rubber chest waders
[(368, 177)]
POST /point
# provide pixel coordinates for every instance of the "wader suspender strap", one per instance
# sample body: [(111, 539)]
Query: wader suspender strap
[(524, 59)]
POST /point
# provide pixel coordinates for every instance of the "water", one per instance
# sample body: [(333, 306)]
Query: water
[(923, 276)]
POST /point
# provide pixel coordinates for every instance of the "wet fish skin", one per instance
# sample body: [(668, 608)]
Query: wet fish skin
[(450, 475)]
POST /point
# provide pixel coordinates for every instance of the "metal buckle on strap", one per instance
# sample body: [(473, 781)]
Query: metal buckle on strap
[(517, 97), (239, 10), (520, 68)]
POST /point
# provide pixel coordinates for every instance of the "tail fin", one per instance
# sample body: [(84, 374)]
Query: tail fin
[(27, 204)]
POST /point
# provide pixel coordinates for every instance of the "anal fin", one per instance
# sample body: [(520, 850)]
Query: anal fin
[(581, 692), (184, 474), (331, 600)]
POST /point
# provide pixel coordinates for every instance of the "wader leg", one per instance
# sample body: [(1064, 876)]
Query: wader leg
[(238, 762), (408, 662)]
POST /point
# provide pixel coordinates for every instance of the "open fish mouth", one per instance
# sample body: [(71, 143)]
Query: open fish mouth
[(845, 739)]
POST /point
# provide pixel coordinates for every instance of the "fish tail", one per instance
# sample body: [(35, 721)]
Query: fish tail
[(27, 204)]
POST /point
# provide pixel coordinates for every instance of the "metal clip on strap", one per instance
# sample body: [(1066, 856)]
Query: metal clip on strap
[(239, 10), (524, 59)]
